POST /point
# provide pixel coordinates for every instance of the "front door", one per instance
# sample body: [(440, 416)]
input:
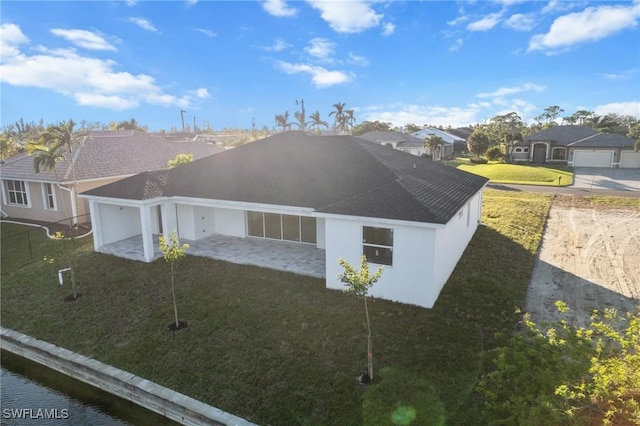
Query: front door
[(539, 153)]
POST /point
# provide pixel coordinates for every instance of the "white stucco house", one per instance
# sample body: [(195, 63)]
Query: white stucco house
[(98, 158), (397, 140), (341, 195)]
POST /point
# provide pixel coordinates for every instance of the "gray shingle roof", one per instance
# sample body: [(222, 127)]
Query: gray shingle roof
[(561, 135), (108, 154), (601, 140), (331, 174), (403, 139)]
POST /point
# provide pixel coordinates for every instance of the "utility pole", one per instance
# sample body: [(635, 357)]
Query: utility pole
[(303, 125), (194, 124), (182, 117)]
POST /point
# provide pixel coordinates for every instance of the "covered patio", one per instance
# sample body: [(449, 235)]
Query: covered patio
[(303, 259)]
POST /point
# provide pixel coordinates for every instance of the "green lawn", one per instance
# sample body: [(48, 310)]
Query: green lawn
[(278, 348), (522, 174)]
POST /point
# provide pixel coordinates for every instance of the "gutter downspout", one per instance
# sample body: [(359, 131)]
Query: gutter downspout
[(74, 211)]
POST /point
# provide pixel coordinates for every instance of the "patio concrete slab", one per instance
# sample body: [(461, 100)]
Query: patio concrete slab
[(303, 259)]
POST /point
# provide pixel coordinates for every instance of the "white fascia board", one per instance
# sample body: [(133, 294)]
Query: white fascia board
[(380, 221), (240, 205)]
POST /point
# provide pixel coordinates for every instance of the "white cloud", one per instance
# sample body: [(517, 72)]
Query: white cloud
[(206, 32), (457, 44), (321, 48), (131, 2), (506, 91), (592, 24), (485, 23), (624, 75), (89, 81), (84, 39), (11, 37), (144, 24), (357, 59), (278, 46), (348, 16), (624, 108), (520, 22), (388, 29), (321, 77), (278, 8), (402, 114)]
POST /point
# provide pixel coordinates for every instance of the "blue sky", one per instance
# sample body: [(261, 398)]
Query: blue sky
[(227, 63)]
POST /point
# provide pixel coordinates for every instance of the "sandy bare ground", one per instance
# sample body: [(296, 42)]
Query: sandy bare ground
[(590, 258)]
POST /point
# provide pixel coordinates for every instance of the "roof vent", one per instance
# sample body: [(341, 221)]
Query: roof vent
[(414, 165)]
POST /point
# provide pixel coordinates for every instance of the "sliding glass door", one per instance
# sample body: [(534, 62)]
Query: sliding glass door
[(281, 227)]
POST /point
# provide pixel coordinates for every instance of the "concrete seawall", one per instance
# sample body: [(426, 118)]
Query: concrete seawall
[(153, 397)]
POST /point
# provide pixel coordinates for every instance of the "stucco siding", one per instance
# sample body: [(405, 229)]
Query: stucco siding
[(453, 239), (118, 222), (230, 222), (35, 210), (186, 222), (408, 280), (204, 221)]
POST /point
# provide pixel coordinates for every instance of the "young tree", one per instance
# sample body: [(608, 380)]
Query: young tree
[(47, 157), (180, 159), (358, 282), (172, 252)]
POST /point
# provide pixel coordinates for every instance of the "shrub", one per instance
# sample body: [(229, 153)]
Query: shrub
[(478, 160), (494, 153), (562, 374)]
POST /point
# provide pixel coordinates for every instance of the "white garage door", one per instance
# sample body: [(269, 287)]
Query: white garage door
[(592, 158), (630, 159)]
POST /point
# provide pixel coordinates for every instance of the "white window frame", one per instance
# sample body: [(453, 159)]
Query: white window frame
[(6, 193), (46, 195)]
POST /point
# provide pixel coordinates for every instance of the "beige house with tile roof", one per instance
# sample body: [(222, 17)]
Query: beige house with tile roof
[(100, 158)]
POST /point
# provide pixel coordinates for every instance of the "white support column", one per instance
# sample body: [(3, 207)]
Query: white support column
[(169, 218), (147, 232), (96, 221)]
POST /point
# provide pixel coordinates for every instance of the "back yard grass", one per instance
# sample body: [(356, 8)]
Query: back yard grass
[(517, 174), (281, 349)]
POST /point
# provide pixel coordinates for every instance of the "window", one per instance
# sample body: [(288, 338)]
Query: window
[(17, 193), (377, 245), (281, 227), (518, 149), (559, 154), (525, 149), (48, 196)]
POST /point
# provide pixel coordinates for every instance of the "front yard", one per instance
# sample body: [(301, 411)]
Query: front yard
[(518, 174), (278, 348)]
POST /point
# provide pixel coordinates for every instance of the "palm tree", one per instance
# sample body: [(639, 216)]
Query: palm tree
[(350, 118), (47, 158), (299, 116), (432, 142), (317, 121), (340, 121), (282, 120), (63, 135)]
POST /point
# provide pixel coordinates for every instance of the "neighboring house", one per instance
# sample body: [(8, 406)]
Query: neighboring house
[(99, 158), (463, 133), (577, 146), (341, 196), (448, 138), (397, 140)]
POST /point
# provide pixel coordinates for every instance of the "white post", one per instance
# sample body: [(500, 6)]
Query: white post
[(96, 224), (147, 232)]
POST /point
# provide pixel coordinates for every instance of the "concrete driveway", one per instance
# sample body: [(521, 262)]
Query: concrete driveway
[(603, 178)]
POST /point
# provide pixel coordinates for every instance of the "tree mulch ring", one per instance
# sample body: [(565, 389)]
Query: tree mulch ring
[(71, 297), (364, 378), (181, 324)]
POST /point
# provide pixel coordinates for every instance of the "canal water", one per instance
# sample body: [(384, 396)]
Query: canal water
[(32, 394)]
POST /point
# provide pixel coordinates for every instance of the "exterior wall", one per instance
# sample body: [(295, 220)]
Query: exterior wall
[(118, 222), (408, 280), (453, 240), (204, 221), (186, 222), (36, 210), (230, 222)]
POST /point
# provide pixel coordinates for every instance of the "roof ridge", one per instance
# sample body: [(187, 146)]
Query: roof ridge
[(583, 139)]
